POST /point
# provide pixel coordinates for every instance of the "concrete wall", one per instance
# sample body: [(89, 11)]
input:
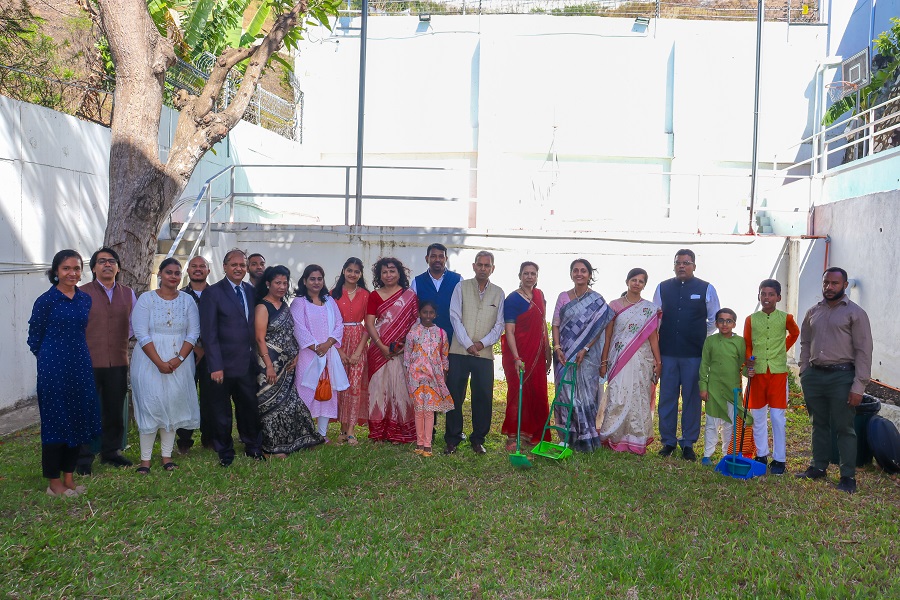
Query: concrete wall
[(633, 114), (54, 195), (864, 233)]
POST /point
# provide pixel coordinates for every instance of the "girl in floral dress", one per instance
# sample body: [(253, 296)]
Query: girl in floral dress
[(426, 358)]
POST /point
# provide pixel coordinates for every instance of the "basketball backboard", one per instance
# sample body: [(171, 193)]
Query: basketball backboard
[(856, 68)]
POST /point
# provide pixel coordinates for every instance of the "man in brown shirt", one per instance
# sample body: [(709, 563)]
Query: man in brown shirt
[(835, 366), (108, 332)]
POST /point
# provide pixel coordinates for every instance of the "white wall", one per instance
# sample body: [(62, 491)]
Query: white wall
[(54, 195), (621, 105)]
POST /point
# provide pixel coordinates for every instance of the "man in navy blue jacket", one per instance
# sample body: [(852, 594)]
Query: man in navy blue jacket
[(437, 284), (227, 330), (689, 307)]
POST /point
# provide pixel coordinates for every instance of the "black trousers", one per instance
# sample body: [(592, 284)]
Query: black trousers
[(481, 371), (56, 458), (204, 383), (242, 391), (112, 387)]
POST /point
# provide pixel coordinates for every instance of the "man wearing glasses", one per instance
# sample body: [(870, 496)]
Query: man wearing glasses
[(689, 307), (108, 332)]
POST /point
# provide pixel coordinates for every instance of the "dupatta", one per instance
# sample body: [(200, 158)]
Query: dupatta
[(393, 319), (635, 323)]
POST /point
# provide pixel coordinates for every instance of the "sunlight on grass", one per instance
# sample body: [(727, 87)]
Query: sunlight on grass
[(376, 521)]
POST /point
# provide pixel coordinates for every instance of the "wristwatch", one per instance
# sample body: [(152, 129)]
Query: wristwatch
[(179, 357)]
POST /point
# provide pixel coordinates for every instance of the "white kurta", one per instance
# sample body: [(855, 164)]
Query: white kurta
[(164, 401), (314, 325)]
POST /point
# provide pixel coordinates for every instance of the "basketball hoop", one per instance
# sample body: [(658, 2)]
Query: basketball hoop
[(841, 89)]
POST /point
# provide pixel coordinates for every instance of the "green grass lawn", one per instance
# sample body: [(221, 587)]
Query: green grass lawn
[(377, 521)]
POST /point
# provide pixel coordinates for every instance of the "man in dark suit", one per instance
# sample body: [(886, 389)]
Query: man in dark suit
[(198, 271), (227, 330)]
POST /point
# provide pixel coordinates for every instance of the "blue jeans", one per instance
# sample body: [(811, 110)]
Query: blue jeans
[(680, 377)]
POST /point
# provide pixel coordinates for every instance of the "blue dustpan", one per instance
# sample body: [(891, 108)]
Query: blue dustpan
[(740, 467), (735, 465)]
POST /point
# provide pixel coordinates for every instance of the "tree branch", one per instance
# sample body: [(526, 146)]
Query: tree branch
[(269, 45)]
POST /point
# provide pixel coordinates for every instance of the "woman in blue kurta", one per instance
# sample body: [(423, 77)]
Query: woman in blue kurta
[(67, 396)]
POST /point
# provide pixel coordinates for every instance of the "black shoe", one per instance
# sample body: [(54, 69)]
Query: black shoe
[(83, 469), (667, 451), (762, 459), (182, 450), (847, 484), (776, 467), (811, 473), (225, 462), (450, 449), (478, 448), (687, 453), (258, 457), (116, 460)]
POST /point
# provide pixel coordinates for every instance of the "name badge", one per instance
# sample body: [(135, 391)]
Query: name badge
[(695, 296)]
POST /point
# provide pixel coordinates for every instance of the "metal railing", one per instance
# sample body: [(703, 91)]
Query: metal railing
[(213, 204), (859, 136)]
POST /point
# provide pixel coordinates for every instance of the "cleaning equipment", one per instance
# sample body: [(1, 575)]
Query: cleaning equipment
[(735, 465), (517, 459), (561, 450)]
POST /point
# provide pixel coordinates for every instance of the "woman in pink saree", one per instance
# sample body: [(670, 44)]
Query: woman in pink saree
[(392, 310), (631, 364)]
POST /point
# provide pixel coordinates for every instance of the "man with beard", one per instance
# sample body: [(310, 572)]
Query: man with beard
[(198, 271), (256, 266), (835, 365), (437, 284)]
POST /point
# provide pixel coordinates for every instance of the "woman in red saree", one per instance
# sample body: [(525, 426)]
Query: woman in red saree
[(526, 347), (391, 312), (631, 364)]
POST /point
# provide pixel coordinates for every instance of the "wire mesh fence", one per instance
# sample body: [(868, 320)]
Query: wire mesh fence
[(731, 10), (71, 97)]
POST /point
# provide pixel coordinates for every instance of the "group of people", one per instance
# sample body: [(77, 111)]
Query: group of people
[(394, 356)]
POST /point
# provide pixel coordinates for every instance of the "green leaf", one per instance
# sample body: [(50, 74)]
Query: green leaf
[(194, 30), (256, 25), (285, 63)]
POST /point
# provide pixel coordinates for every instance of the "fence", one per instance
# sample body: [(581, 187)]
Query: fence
[(790, 11), (95, 104)]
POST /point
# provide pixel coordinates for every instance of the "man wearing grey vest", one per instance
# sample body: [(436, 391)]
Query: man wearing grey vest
[(476, 313), (689, 307)]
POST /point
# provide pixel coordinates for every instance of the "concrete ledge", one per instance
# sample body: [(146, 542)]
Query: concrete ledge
[(21, 416)]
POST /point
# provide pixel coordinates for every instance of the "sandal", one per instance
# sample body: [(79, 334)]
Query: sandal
[(342, 439), (418, 450), (351, 440), (143, 470), (170, 466), (426, 452)]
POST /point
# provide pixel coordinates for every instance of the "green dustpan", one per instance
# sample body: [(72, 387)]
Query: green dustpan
[(561, 450), (517, 459)]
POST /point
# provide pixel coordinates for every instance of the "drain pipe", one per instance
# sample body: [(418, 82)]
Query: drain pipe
[(754, 168), (360, 123)]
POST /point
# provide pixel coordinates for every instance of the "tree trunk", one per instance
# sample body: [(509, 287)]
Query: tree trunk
[(140, 190)]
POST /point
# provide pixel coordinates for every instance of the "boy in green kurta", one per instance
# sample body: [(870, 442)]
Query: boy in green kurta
[(720, 373)]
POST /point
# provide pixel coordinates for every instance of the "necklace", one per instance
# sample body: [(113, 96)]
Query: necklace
[(577, 297), (526, 295), (351, 293), (625, 297)]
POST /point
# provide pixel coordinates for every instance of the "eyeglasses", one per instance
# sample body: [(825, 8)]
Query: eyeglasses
[(106, 261), (683, 263), (725, 321)]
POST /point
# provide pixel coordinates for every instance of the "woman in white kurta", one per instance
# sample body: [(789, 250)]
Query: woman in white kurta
[(166, 324), (318, 327)]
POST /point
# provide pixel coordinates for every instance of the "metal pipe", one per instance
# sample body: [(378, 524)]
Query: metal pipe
[(760, 17), (360, 123)]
